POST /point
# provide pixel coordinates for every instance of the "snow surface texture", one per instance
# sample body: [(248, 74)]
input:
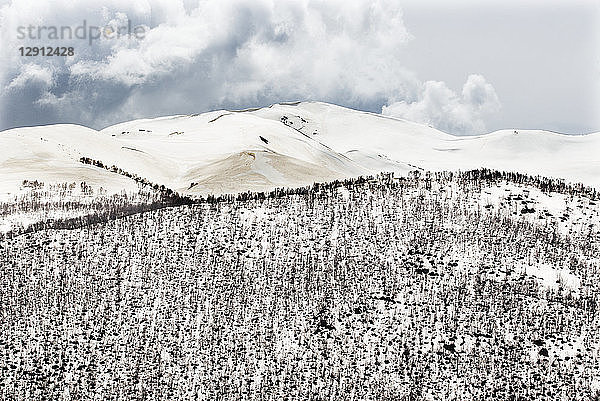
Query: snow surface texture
[(285, 145), (449, 288)]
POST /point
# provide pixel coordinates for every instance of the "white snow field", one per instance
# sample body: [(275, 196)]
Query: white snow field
[(284, 145)]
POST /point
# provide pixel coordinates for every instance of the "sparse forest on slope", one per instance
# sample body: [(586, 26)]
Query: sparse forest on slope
[(476, 285)]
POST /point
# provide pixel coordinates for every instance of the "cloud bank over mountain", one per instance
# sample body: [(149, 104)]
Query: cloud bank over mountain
[(196, 56), (448, 111)]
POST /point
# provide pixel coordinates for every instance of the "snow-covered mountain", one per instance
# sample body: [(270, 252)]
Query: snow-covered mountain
[(290, 144)]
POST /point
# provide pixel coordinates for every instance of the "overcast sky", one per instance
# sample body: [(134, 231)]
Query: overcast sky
[(465, 68)]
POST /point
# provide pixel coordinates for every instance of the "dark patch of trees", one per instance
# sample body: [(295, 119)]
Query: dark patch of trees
[(405, 288)]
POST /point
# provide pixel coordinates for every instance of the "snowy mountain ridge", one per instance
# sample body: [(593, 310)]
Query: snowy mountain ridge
[(284, 145)]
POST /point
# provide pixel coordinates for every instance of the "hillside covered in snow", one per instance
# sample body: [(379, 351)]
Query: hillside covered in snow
[(155, 259), (443, 286), (285, 145)]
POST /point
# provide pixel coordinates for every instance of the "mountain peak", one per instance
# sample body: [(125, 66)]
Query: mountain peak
[(293, 143)]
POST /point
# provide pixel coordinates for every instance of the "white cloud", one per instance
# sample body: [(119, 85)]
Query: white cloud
[(31, 74), (202, 55), (439, 106)]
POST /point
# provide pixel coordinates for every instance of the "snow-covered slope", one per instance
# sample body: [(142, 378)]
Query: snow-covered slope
[(574, 158), (51, 154), (282, 145)]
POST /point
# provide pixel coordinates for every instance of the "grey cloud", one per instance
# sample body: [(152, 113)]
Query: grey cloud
[(197, 56)]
